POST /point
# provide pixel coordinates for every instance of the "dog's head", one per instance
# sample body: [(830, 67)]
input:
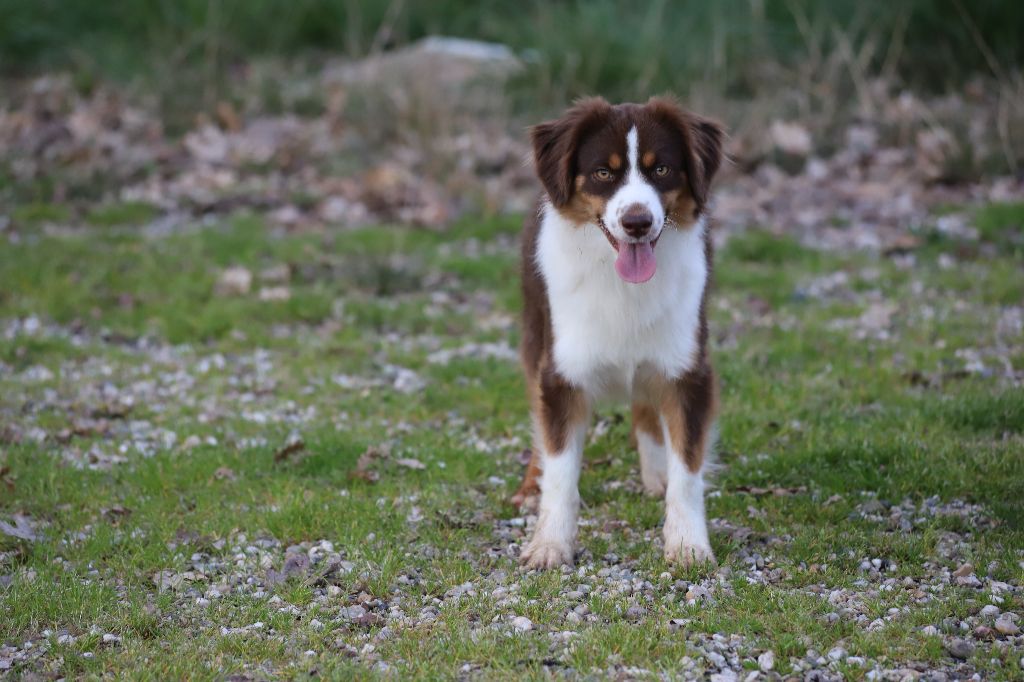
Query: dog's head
[(633, 170)]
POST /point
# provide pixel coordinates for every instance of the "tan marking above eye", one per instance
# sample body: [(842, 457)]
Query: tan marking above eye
[(615, 161), (648, 159)]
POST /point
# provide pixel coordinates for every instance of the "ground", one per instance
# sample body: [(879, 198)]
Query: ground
[(231, 448)]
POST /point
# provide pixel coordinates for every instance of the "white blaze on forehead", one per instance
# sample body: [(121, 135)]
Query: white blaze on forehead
[(635, 190), (633, 152)]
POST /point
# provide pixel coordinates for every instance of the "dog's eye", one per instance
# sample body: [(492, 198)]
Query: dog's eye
[(602, 174), (661, 171)]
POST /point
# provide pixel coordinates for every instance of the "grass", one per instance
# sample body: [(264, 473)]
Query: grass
[(812, 402)]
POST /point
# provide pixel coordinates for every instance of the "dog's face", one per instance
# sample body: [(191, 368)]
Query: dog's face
[(633, 170)]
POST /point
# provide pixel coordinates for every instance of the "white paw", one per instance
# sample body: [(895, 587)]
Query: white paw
[(686, 555), (654, 482), (542, 554)]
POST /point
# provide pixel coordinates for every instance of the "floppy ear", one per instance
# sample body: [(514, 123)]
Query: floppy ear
[(555, 143), (702, 141)]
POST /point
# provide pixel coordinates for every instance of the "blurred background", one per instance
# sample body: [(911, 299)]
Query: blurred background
[(353, 112)]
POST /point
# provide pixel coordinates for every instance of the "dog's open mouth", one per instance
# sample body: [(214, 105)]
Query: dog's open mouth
[(635, 262)]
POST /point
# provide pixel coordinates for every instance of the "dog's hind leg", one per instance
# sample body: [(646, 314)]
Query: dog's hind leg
[(650, 442)]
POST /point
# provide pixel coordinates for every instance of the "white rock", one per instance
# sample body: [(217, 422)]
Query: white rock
[(1006, 626), (236, 281), (837, 654), (766, 661), (990, 611), (522, 623)]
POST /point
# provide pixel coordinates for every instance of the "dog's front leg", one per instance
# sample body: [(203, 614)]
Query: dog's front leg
[(560, 416), (688, 413)]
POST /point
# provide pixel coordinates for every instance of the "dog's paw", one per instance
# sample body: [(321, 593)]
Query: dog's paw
[(686, 555), (654, 483), (544, 554)]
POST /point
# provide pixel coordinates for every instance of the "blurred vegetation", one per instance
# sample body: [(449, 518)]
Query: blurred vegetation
[(614, 47)]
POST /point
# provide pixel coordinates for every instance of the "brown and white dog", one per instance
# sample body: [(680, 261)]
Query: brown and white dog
[(615, 273)]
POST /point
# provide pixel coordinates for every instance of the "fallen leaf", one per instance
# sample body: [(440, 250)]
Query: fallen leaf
[(901, 244), (410, 463), (6, 478), (225, 474), (115, 513), (292, 445), (366, 460)]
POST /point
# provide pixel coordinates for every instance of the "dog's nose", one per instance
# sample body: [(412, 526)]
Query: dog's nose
[(637, 222)]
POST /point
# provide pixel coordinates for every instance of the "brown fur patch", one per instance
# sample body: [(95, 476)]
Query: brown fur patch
[(556, 404), (646, 419), (680, 208), (530, 487), (584, 208), (689, 405)]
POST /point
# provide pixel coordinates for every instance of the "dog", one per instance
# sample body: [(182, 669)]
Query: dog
[(615, 268)]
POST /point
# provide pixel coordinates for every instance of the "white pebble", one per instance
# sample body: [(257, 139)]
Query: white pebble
[(522, 623), (766, 661)]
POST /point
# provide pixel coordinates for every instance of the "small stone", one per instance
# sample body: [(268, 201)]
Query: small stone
[(235, 281), (634, 612), (766, 661), (960, 648), (964, 570), (522, 623), (990, 611), (837, 654), (333, 591), (929, 630), (111, 639), (202, 601), (1006, 626)]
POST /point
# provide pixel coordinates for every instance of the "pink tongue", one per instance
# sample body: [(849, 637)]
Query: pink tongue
[(636, 262)]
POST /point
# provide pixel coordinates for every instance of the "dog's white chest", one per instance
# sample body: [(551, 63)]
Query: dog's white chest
[(605, 329)]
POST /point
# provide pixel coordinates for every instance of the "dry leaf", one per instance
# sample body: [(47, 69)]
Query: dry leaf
[(365, 461), (292, 445), (225, 474), (115, 513)]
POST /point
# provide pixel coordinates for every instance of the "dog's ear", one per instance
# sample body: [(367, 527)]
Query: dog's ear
[(555, 144), (702, 142)]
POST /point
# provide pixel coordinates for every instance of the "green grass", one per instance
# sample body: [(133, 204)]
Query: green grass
[(807, 403)]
